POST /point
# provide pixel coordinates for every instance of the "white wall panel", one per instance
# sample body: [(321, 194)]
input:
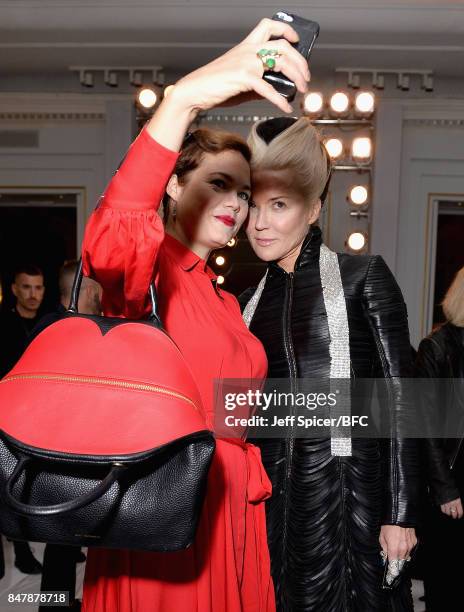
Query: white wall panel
[(432, 167), (81, 141)]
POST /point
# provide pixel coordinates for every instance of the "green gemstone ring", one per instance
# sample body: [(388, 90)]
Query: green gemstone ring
[(268, 57)]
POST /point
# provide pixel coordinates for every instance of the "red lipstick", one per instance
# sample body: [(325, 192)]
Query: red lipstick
[(226, 219)]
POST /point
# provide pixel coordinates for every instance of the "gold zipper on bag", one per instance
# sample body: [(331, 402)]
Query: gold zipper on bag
[(119, 384)]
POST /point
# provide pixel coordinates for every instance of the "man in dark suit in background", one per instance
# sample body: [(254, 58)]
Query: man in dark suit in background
[(17, 322), (16, 325)]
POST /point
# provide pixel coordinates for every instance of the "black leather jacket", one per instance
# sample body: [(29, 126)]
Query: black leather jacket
[(323, 509), (441, 356)]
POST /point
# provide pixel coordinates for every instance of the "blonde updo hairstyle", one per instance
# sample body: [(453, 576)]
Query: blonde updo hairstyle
[(453, 304), (286, 143)]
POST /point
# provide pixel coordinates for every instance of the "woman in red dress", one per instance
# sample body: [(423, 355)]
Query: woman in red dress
[(227, 568)]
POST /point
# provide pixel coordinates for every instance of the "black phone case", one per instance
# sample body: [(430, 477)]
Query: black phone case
[(308, 31)]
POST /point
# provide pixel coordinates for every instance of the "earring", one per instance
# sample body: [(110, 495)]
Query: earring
[(174, 211)]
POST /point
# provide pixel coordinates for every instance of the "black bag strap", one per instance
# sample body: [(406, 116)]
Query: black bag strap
[(76, 287), (75, 504)]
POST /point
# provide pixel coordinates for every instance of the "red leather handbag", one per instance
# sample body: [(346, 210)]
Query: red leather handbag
[(103, 441)]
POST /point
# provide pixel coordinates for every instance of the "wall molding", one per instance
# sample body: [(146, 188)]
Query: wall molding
[(439, 109), (434, 122), (51, 116), (56, 107)]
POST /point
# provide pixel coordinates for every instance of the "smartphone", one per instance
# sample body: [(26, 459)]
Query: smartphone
[(308, 31)]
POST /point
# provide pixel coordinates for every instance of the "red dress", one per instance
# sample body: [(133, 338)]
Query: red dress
[(227, 569)]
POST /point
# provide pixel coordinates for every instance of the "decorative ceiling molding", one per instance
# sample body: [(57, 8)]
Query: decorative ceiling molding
[(46, 36), (181, 44), (434, 112), (232, 117), (325, 7), (55, 117), (60, 107), (436, 122)]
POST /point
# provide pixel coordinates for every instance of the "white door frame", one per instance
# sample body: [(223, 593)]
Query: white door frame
[(431, 250)]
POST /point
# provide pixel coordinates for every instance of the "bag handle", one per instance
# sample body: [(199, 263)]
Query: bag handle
[(74, 504), (76, 287)]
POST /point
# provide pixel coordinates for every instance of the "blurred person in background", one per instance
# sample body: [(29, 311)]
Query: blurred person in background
[(89, 296), (16, 325), (441, 356)]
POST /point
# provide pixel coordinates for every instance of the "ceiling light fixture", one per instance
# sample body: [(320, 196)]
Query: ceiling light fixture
[(427, 82), (86, 78), (136, 78), (404, 82), (378, 81), (111, 78)]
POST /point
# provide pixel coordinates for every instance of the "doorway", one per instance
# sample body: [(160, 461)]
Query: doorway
[(40, 229), (446, 253)]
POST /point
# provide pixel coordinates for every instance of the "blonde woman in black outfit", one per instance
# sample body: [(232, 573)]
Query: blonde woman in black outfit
[(441, 356), (336, 502)]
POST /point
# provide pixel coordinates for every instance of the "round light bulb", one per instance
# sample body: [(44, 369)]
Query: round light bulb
[(356, 241), (339, 102), (313, 103), (147, 98), (334, 147), (220, 280), (358, 195), (364, 102), (220, 260), (361, 148)]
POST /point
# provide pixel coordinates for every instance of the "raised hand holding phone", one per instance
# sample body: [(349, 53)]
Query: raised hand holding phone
[(237, 72)]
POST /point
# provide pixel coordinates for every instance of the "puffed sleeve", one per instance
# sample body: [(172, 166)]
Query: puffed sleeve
[(124, 233), (431, 363), (388, 320)]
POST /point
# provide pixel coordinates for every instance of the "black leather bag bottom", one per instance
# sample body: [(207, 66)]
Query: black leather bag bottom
[(152, 499)]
